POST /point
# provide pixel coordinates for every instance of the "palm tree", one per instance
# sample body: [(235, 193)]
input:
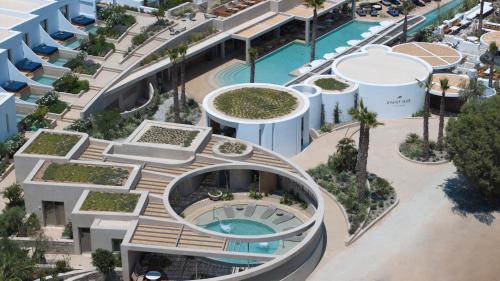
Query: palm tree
[(472, 90), (315, 4), (427, 85), (173, 55), (367, 120), (406, 8), (182, 49), (493, 49), (253, 53), (443, 83), (480, 16)]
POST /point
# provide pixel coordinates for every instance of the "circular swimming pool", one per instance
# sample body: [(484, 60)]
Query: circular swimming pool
[(245, 227)]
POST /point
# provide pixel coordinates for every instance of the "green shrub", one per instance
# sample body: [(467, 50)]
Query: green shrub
[(345, 157), (110, 202), (139, 39), (70, 83), (83, 66), (51, 100), (95, 45), (14, 194), (68, 230), (35, 120), (255, 194), (11, 145), (71, 172), (104, 261), (58, 107), (52, 144), (331, 84)]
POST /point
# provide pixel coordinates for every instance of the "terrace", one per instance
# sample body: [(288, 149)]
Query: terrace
[(233, 7), (82, 173), (110, 202), (52, 144)]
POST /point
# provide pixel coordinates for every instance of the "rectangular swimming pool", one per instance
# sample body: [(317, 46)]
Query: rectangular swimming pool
[(275, 67)]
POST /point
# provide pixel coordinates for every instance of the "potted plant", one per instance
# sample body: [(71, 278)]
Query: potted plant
[(215, 195)]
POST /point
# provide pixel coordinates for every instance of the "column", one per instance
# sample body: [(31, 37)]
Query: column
[(223, 49), (307, 31), (247, 47)]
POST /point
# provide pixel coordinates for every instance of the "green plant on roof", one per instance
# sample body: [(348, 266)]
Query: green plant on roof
[(331, 84), (52, 144), (72, 172), (110, 202), (232, 147), (256, 103), (163, 135)]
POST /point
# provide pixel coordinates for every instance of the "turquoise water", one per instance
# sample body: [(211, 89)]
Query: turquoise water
[(45, 79), (91, 29), (248, 228), (59, 61), (20, 116), (431, 16), (72, 43), (275, 67), (31, 98)]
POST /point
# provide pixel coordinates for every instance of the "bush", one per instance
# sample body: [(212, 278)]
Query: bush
[(331, 84), (68, 230), (70, 83), (96, 45), (472, 140), (104, 261), (255, 194), (83, 66), (51, 100), (35, 120), (139, 39), (345, 157), (12, 145), (14, 193)]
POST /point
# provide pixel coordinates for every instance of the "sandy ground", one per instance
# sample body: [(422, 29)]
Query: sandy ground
[(437, 232)]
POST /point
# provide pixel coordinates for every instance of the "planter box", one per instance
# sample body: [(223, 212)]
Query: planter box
[(101, 58), (58, 116), (116, 41), (88, 76), (8, 169), (69, 95)]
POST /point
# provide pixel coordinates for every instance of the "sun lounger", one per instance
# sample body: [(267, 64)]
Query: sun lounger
[(62, 35), (373, 13), (44, 50), (269, 212), (13, 86), (228, 210), (28, 65), (250, 209), (283, 218), (82, 20), (361, 12)]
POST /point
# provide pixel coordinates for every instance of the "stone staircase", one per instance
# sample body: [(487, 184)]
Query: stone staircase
[(93, 152)]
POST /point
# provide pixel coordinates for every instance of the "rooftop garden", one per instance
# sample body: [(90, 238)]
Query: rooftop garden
[(72, 172), (171, 136), (110, 202), (52, 102), (230, 147), (255, 103), (70, 83), (96, 45), (117, 21), (52, 144), (81, 65), (331, 84)]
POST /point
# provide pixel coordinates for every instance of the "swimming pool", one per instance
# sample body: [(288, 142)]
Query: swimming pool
[(59, 61), (73, 43), (31, 98), (45, 79), (91, 29), (275, 67), (433, 15)]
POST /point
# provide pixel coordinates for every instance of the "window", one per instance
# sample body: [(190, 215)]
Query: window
[(116, 245), (9, 54), (26, 39), (45, 25), (64, 11)]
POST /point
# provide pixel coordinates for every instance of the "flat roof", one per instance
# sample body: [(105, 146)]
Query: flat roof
[(378, 65), (5, 34), (7, 21), (263, 26), (23, 5), (303, 11), (455, 81), (439, 56), (493, 36)]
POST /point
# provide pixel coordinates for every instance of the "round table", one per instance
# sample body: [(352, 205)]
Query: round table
[(153, 275)]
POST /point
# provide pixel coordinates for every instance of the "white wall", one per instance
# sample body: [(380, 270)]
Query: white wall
[(7, 116)]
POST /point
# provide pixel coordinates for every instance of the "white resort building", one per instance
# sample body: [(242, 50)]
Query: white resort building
[(160, 198)]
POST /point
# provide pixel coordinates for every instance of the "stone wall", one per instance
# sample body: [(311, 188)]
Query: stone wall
[(61, 246)]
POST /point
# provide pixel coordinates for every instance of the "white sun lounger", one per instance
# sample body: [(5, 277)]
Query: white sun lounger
[(228, 210), (269, 212), (283, 218), (250, 209)]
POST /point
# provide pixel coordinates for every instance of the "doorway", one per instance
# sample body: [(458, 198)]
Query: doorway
[(85, 244), (53, 213)]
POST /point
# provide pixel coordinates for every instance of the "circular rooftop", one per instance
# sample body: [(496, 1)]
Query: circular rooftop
[(492, 36), (439, 56), (255, 102), (378, 65), (455, 81)]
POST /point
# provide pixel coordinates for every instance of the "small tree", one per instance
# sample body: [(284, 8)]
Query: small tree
[(315, 4), (473, 144), (443, 83), (336, 113), (345, 157), (173, 55), (492, 49), (252, 53), (159, 14), (14, 193), (182, 49), (406, 8), (427, 85), (104, 261), (472, 90)]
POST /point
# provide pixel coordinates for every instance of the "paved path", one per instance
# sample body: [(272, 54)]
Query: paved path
[(436, 232)]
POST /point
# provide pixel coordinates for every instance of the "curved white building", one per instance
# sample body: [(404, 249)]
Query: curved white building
[(387, 80), (286, 134), (344, 97), (313, 93)]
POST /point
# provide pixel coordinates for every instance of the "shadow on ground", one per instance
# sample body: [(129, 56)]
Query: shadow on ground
[(468, 201)]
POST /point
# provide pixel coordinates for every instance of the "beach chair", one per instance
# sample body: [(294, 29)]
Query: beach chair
[(361, 12)]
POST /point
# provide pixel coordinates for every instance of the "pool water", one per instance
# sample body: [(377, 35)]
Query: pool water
[(20, 116), (31, 98), (45, 79), (72, 43), (59, 61), (245, 228), (275, 67), (91, 29), (433, 15)]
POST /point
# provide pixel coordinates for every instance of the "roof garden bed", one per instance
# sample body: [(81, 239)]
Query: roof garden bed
[(162, 135), (52, 144), (232, 147), (110, 202), (256, 103), (81, 173), (331, 84)]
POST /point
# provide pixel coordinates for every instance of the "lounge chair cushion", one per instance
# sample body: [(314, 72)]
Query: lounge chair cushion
[(61, 35), (45, 50), (14, 86), (82, 20), (28, 65)]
